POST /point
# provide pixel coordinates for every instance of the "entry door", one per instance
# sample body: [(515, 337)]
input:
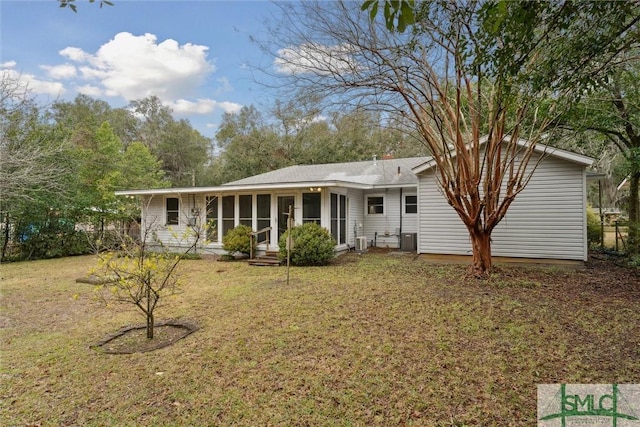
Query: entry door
[(283, 210)]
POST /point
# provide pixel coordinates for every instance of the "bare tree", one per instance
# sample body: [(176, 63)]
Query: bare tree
[(481, 133), (31, 160), (144, 271)]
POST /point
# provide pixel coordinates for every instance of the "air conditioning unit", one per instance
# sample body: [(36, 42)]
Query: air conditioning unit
[(409, 242), (361, 244)]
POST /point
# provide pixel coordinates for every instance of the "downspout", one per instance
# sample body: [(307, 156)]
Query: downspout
[(401, 215), (401, 211)]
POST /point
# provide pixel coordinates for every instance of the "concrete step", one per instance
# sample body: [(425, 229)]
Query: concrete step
[(265, 261)]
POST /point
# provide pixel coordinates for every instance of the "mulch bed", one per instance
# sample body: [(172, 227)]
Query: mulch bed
[(133, 339)]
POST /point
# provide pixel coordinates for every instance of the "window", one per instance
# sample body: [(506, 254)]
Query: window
[(246, 210), (173, 210), (411, 204), (212, 218), (263, 202), (228, 214), (375, 205), (311, 207), (339, 217)]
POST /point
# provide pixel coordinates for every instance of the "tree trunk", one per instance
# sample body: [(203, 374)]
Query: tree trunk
[(633, 242), (5, 242), (149, 326), (149, 308), (481, 245)]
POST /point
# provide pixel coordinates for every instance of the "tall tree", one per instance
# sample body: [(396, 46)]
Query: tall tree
[(85, 114), (33, 155), (37, 170), (612, 110), (247, 145), (184, 152)]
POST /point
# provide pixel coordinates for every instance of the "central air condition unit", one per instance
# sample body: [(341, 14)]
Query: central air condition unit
[(361, 244), (409, 242)]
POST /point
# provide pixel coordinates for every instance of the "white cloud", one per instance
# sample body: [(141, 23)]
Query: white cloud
[(89, 90), (35, 85), (135, 67), (203, 106), (75, 54), (8, 64), (316, 58), (230, 107), (64, 71)]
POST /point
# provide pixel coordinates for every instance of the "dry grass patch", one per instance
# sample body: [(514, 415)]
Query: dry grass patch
[(373, 340)]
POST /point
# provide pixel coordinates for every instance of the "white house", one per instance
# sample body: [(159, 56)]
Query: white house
[(391, 203)]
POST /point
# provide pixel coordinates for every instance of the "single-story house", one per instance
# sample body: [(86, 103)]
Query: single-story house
[(393, 203)]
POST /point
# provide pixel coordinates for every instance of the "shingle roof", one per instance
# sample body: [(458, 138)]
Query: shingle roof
[(370, 172)]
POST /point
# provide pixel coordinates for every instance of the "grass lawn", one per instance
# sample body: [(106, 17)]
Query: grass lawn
[(377, 339)]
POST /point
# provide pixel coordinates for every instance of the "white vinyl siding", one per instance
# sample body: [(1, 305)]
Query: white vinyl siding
[(174, 235), (409, 220), (546, 220), (355, 216)]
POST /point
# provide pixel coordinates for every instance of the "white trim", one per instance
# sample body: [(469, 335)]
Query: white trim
[(584, 216), (384, 204), (166, 211), (403, 208), (538, 148), (259, 187)]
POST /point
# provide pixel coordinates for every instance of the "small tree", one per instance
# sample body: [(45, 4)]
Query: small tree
[(142, 273)]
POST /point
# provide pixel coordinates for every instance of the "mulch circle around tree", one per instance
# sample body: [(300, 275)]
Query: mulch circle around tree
[(133, 339)]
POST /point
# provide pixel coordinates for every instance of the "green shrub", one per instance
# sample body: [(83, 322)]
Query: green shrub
[(52, 241), (634, 261), (238, 240), (312, 245), (593, 227)]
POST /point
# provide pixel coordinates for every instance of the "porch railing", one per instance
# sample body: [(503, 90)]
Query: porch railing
[(255, 239)]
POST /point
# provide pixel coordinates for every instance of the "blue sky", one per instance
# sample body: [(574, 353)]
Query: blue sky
[(191, 54)]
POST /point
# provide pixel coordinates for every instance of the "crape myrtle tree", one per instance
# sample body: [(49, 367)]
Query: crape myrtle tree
[(470, 77), (589, 59)]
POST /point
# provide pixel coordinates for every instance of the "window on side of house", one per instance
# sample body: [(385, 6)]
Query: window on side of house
[(246, 209), (263, 207), (212, 218), (410, 204), (339, 217), (228, 214), (343, 219), (172, 205), (311, 207), (375, 205)]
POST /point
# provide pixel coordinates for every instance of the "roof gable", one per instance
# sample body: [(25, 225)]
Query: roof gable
[(538, 148)]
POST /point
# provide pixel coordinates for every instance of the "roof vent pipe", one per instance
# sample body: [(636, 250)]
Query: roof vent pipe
[(375, 160)]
